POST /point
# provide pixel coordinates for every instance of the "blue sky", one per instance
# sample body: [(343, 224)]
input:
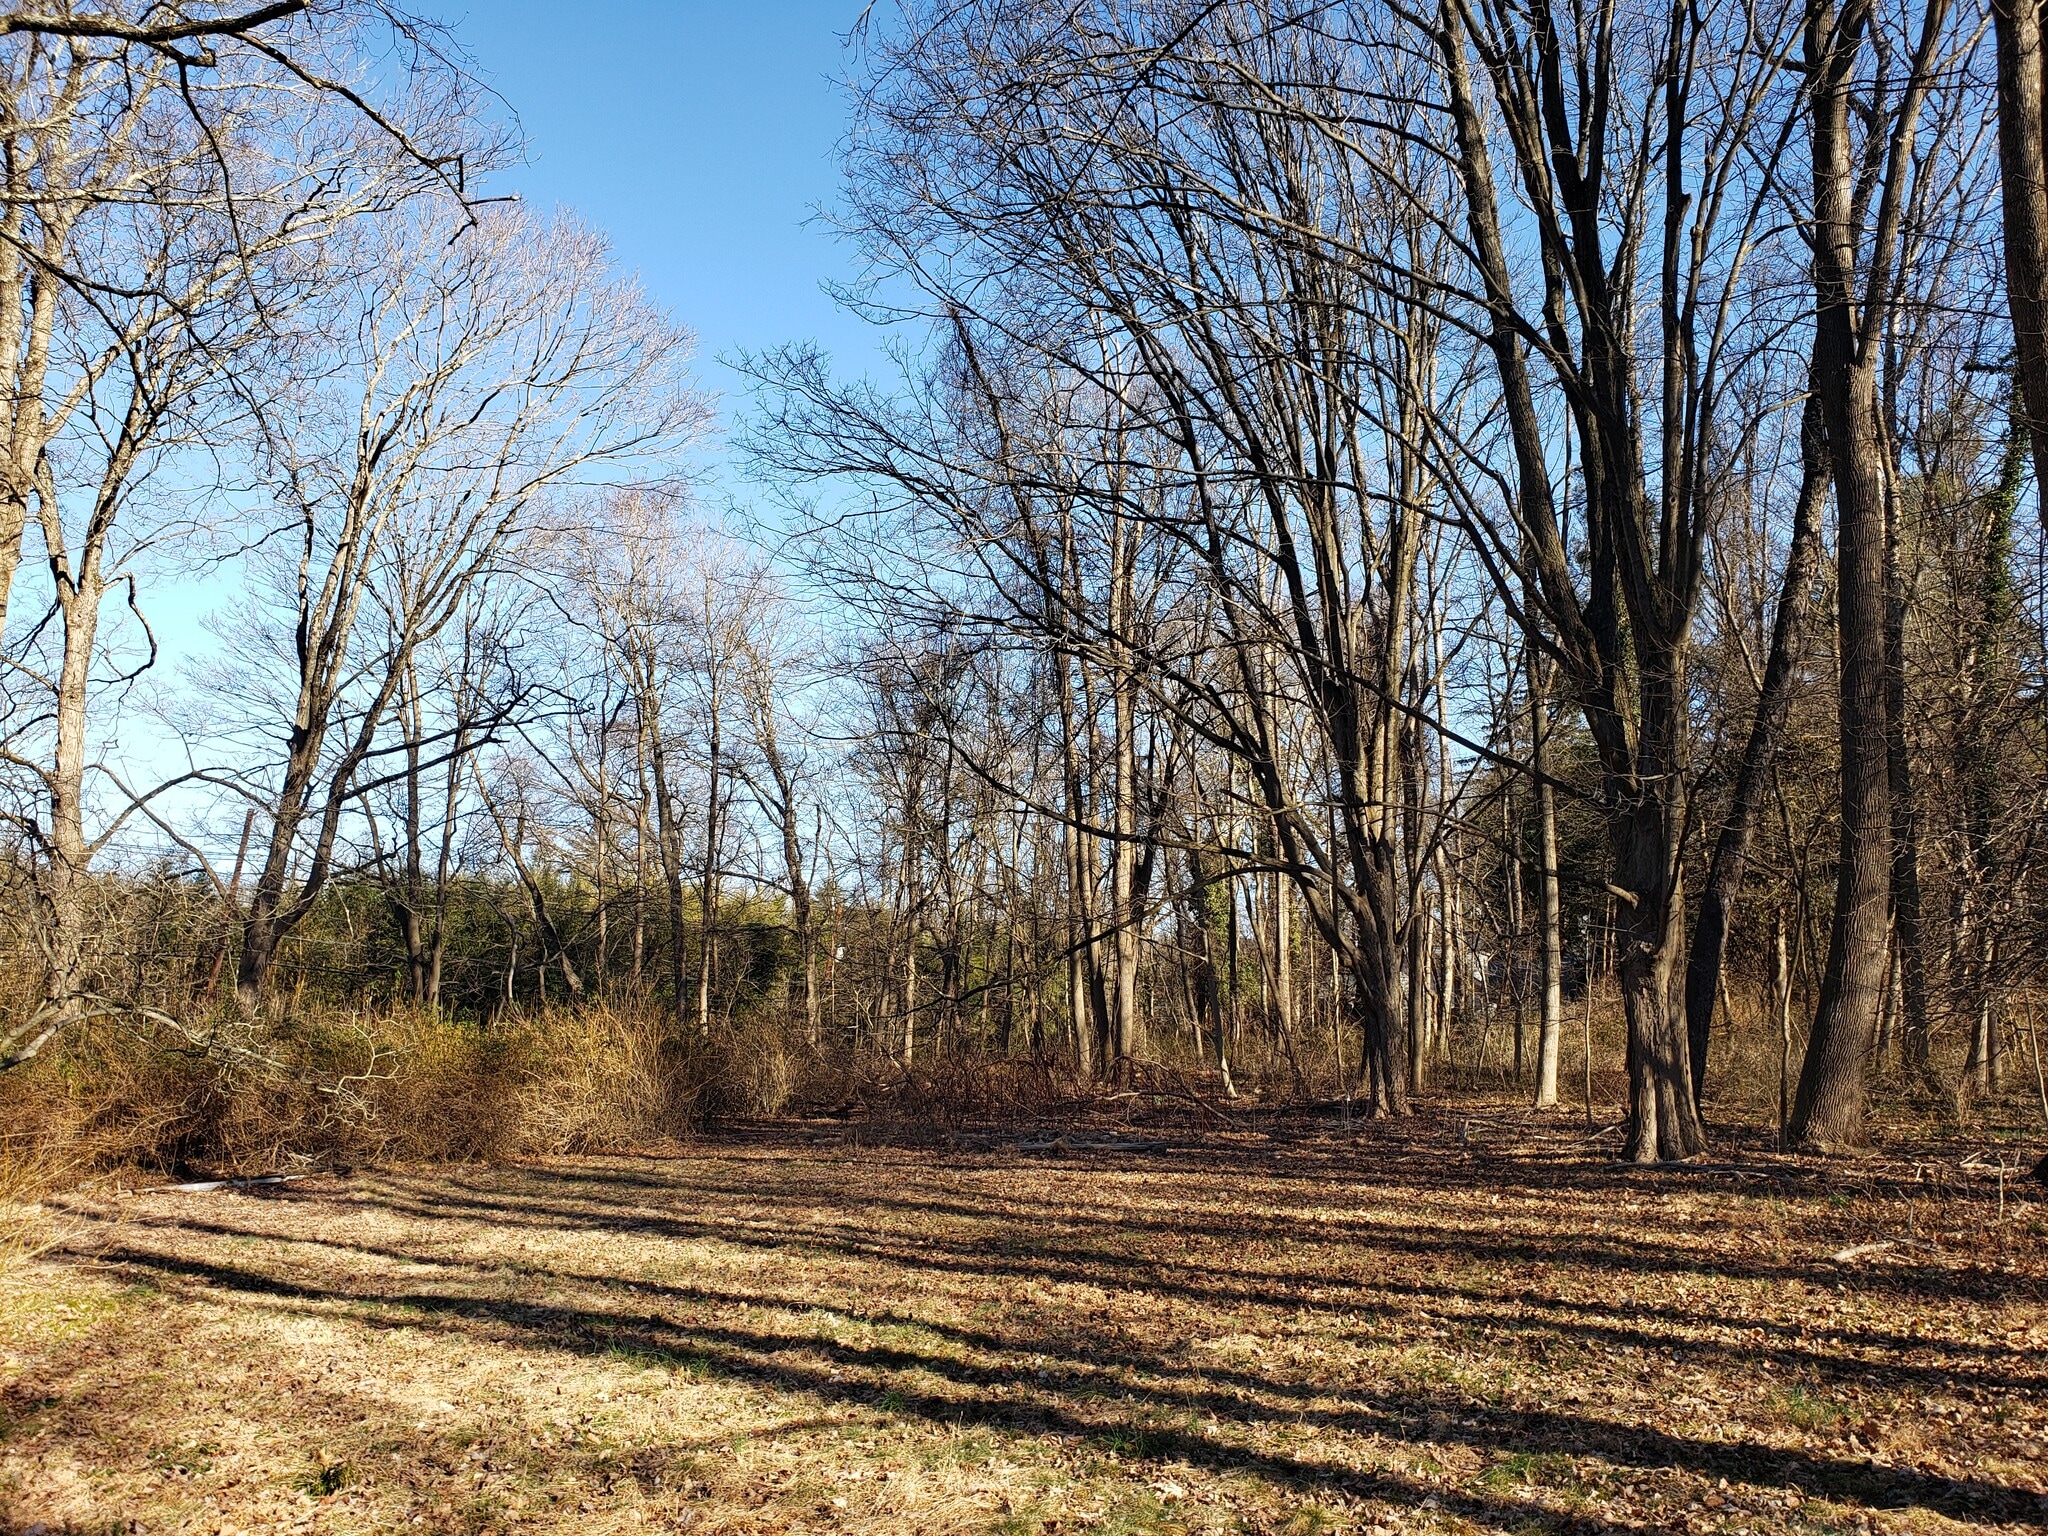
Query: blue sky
[(700, 135)]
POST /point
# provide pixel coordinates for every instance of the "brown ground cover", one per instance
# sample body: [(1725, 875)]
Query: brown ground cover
[(1450, 1324)]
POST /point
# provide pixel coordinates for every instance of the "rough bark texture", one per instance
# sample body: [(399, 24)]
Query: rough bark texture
[(1829, 1110)]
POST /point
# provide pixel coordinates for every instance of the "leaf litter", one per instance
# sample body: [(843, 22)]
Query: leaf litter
[(1315, 1328)]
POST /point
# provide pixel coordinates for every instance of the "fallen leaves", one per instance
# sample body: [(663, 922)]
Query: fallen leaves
[(768, 1335)]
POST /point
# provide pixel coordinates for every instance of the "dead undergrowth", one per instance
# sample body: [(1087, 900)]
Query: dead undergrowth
[(1464, 1322)]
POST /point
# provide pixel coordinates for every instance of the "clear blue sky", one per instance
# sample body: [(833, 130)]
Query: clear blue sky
[(700, 135)]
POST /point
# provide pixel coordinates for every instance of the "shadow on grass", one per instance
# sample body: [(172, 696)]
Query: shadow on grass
[(1068, 1375)]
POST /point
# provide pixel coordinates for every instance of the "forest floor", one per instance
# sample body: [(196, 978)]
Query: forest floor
[(1463, 1322)]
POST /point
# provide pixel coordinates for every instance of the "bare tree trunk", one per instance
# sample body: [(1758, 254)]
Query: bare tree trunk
[(1766, 732), (444, 865), (1829, 1110), (69, 854), (1909, 926), (907, 980), (671, 850), (1128, 1034), (1083, 972), (1416, 995), (708, 880), (1283, 962), (1984, 1069), (640, 832), (1550, 1029), (220, 948), (1781, 1004)]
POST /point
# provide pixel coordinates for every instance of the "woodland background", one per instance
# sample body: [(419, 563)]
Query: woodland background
[(1474, 550)]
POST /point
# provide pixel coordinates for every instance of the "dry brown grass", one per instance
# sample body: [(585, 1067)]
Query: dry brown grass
[(326, 1089), (28, 1177), (1460, 1323)]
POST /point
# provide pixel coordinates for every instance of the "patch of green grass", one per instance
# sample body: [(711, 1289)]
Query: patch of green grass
[(1137, 1514), (189, 1459), (973, 1451), (1806, 1410), (1541, 1469), (1144, 1442), (326, 1478)]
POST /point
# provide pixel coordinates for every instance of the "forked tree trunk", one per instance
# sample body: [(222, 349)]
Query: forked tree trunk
[(1829, 1110)]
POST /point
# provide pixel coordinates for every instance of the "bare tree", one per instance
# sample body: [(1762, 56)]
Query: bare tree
[(484, 368), (166, 247), (1855, 268)]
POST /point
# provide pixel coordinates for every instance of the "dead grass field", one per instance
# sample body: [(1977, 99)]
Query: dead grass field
[(1304, 1328)]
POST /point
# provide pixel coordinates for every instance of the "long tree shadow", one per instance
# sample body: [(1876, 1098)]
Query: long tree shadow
[(1120, 1412), (1528, 1315), (1378, 1238), (1047, 1252), (1384, 1178)]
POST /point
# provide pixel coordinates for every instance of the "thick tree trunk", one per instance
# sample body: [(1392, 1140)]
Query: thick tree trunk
[(1852, 301), (412, 932), (261, 936), (267, 922), (1375, 975), (1645, 822), (1829, 1109), (67, 870)]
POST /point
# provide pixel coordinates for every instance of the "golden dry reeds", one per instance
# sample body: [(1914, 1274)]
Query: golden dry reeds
[(310, 1089)]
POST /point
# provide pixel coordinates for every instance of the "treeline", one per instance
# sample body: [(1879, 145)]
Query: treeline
[(1356, 444), (1405, 548)]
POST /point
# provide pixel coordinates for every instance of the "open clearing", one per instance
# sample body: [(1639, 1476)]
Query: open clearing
[(1309, 1328)]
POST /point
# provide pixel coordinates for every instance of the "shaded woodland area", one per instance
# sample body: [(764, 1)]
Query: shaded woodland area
[(1462, 550)]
